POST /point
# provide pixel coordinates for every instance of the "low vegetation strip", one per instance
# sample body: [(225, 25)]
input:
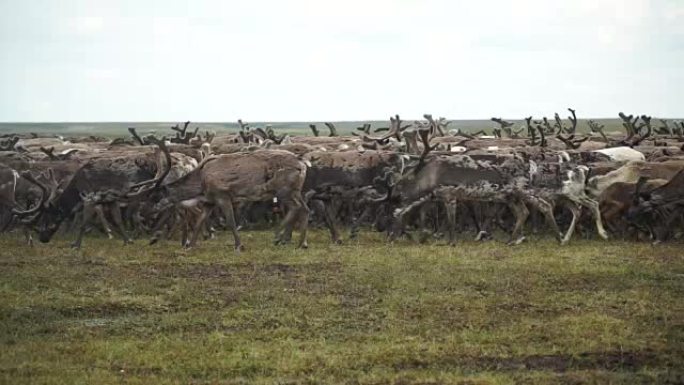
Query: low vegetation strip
[(364, 312)]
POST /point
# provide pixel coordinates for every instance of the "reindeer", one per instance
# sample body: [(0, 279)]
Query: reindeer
[(348, 177), (455, 178), (111, 172), (660, 208), (230, 179)]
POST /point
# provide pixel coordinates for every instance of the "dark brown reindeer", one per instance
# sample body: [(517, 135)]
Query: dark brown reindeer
[(117, 172), (344, 178), (107, 204), (660, 208)]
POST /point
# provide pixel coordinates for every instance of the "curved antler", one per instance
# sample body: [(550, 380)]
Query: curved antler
[(44, 194)]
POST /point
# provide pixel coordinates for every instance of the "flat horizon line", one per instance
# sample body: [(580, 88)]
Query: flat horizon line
[(263, 121)]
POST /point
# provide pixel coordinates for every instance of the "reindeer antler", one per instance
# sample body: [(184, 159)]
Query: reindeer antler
[(598, 128), (629, 124), (243, 126), (505, 126), (182, 134), (435, 128), (570, 142), (542, 128), (646, 122), (137, 137), (425, 138), (664, 128), (411, 142), (332, 128), (50, 152), (8, 145), (573, 120)]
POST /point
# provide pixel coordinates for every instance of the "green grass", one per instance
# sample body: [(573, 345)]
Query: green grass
[(365, 312)]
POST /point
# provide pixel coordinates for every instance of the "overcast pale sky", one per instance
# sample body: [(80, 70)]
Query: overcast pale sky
[(285, 60)]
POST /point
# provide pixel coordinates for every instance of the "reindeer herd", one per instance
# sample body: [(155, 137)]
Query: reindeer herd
[(420, 180)]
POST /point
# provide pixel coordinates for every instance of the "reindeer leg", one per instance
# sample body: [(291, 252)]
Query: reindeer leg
[(118, 221), (99, 212), (399, 214), (593, 206), (137, 220), (87, 216), (183, 216), (28, 236), (207, 224), (357, 223), (157, 232), (521, 213), (451, 207), (227, 207), (575, 211), (329, 219), (284, 231), (546, 209), (185, 224), (201, 215), (475, 209), (174, 221), (303, 220), (534, 213)]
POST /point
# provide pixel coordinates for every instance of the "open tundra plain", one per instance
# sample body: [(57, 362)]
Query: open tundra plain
[(536, 251), (362, 312)]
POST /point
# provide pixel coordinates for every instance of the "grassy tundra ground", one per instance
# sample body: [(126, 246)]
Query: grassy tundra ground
[(365, 312)]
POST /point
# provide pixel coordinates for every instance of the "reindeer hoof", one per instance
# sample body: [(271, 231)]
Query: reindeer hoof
[(304, 246), (516, 241), (153, 241), (75, 246), (481, 236), (337, 241)]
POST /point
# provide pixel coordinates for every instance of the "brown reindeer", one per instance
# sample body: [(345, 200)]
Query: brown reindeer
[(231, 179)]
